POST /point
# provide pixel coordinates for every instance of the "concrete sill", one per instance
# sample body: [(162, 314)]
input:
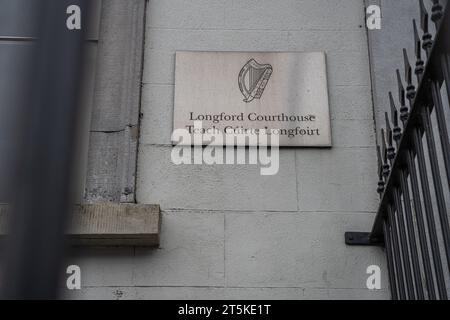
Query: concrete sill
[(109, 224)]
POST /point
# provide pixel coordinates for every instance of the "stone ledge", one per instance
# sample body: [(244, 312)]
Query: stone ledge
[(109, 224)]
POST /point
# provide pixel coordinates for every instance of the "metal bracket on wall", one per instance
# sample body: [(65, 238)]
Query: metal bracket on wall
[(361, 239)]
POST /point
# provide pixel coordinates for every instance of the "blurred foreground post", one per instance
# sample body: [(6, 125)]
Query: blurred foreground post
[(42, 185)]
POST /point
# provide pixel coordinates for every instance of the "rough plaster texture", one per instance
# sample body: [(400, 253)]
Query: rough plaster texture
[(227, 231)]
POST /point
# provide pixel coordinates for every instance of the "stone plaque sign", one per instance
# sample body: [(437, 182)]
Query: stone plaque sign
[(284, 94)]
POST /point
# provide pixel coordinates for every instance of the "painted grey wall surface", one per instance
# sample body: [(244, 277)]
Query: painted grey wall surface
[(227, 231)]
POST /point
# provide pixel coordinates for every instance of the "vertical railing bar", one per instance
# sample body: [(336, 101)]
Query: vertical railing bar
[(443, 132), (404, 244), (437, 13), (427, 38), (445, 59), (390, 261), (437, 182), (430, 215), (397, 257), (421, 227), (411, 236), (420, 64)]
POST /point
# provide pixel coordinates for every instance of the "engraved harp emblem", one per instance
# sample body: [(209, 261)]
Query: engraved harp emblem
[(253, 79)]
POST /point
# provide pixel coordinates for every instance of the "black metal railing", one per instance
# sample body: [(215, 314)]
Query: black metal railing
[(412, 222)]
